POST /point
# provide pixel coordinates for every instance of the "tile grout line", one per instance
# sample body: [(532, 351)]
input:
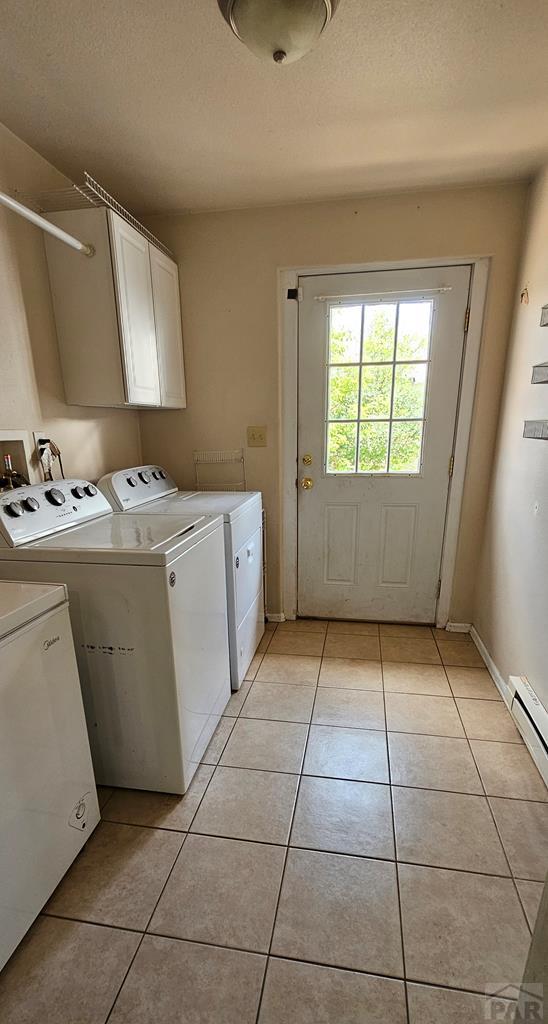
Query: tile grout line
[(135, 931), (370, 728), (334, 778), (300, 774), (290, 828), (440, 643), (145, 931), (395, 851), (313, 849), (108, 799), (486, 798), (122, 983), (95, 924), (275, 956), (185, 836), (287, 844)]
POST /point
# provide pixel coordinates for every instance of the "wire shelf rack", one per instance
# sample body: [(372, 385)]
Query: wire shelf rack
[(220, 470), (79, 197)]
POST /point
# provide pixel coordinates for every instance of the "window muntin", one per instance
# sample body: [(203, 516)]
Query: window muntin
[(377, 378)]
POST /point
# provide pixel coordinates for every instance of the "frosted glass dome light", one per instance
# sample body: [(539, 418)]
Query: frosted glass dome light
[(278, 30)]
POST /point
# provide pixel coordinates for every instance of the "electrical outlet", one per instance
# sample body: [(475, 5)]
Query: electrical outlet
[(256, 437)]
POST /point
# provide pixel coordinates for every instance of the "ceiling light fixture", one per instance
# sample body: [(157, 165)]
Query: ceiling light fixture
[(278, 30)]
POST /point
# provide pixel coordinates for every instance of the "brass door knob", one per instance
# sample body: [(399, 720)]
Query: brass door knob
[(306, 483)]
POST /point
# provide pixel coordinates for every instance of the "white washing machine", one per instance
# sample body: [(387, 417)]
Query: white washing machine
[(149, 618), (48, 800), (151, 489)]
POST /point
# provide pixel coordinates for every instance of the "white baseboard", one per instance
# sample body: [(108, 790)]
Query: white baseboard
[(536, 748), (458, 627), (275, 617), (496, 676)]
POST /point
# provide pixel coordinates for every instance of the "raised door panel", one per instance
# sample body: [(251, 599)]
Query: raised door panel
[(169, 335), (133, 284)]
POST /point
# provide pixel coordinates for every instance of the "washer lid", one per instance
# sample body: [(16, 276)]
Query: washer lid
[(229, 504), (20, 603), (122, 538)]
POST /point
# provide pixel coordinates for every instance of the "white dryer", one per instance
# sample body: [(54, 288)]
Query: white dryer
[(149, 617), (151, 489), (48, 800)]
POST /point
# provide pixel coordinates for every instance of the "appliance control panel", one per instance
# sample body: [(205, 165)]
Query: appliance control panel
[(129, 488), (37, 510)]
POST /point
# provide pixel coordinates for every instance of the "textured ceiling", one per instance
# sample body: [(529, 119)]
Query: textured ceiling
[(170, 112)]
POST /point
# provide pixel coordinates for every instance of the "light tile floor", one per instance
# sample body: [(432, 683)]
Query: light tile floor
[(320, 868)]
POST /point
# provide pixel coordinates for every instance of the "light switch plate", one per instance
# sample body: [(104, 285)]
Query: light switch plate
[(256, 437)]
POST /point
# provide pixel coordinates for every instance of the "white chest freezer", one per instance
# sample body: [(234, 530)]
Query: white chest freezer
[(48, 800)]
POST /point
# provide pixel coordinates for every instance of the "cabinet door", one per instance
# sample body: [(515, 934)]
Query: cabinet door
[(169, 336), (133, 284)]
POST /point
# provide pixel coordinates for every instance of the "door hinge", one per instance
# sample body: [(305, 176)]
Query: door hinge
[(295, 293), (466, 320), (451, 466), (438, 592)]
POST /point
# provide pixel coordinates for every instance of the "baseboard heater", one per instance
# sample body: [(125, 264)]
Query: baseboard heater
[(531, 718)]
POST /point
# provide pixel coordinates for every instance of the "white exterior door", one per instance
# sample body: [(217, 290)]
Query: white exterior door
[(380, 358), (132, 278), (169, 335)]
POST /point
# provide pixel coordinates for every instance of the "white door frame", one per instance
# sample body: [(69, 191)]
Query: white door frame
[(288, 325)]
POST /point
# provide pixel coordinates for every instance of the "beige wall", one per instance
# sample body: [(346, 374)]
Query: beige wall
[(511, 599), (228, 264), (92, 441)]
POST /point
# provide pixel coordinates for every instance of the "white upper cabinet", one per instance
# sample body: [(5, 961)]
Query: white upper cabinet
[(132, 280), (169, 336), (117, 315)]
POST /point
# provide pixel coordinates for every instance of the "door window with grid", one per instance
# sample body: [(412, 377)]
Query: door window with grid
[(377, 378)]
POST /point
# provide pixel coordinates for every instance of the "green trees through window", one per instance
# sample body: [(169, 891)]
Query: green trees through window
[(377, 378)]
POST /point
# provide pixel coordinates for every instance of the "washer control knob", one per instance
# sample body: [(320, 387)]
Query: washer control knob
[(163, 474), (144, 476), (132, 481), (15, 508), (31, 504), (55, 496), (90, 490), (156, 474), (78, 492)]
